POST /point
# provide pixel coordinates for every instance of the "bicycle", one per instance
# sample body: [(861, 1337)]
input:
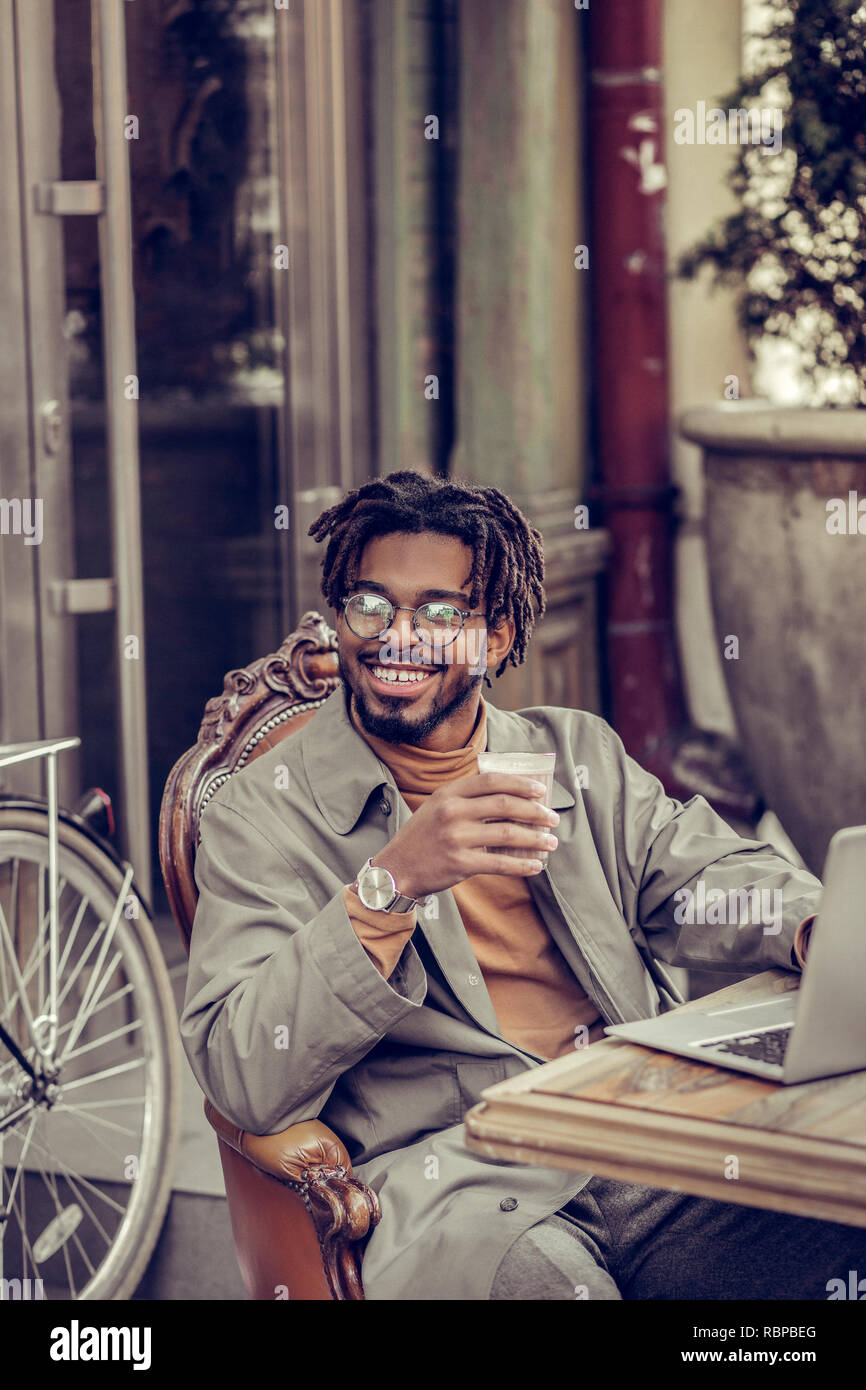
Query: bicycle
[(89, 1052)]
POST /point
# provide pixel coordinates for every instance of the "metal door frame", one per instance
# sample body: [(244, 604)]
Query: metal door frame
[(38, 685), (38, 596)]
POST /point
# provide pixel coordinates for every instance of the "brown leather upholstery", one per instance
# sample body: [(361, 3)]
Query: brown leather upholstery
[(299, 1218), (321, 1223)]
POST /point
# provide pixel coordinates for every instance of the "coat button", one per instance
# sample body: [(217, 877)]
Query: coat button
[(385, 806), (508, 1204)]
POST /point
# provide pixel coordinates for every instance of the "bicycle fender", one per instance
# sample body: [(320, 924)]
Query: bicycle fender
[(9, 801)]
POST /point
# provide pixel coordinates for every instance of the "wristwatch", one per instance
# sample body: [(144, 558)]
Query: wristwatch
[(377, 890)]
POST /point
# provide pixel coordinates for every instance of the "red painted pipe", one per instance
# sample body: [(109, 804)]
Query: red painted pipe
[(630, 355)]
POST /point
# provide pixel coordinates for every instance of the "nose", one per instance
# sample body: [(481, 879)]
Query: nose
[(401, 634)]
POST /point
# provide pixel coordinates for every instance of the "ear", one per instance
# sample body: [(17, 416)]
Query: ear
[(500, 640)]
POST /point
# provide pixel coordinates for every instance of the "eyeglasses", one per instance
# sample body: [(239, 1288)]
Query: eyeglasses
[(371, 615)]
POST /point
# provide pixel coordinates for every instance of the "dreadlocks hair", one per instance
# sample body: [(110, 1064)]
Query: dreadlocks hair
[(507, 557)]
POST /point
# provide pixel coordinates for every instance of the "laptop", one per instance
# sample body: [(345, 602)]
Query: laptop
[(814, 1031)]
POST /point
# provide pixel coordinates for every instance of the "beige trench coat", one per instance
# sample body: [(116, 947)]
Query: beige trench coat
[(393, 1065)]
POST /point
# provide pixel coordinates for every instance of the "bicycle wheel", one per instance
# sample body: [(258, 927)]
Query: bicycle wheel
[(86, 1164)]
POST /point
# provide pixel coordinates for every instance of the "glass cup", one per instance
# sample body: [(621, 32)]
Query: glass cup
[(539, 766)]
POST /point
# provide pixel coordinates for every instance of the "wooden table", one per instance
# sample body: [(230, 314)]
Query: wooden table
[(630, 1112)]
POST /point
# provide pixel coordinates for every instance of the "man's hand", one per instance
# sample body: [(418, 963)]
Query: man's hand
[(801, 941), (444, 841)]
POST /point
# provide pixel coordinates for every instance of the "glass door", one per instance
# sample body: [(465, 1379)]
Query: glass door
[(187, 369)]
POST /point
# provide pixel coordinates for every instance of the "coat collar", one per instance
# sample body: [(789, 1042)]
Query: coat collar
[(343, 770)]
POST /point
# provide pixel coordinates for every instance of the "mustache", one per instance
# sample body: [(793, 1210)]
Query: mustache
[(376, 660)]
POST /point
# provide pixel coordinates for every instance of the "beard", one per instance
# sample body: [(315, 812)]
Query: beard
[(398, 726)]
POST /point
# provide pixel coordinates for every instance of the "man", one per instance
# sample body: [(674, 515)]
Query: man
[(353, 890)]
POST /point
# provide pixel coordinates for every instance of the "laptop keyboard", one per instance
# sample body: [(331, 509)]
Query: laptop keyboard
[(763, 1047)]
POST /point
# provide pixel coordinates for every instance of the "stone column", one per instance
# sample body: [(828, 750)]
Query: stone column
[(522, 310), (702, 60), (414, 82)]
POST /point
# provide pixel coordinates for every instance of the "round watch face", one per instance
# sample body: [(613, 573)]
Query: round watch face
[(376, 888)]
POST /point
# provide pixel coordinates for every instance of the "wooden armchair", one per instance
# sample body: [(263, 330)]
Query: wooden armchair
[(299, 1218)]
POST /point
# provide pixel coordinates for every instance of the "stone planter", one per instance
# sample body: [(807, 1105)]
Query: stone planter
[(788, 580)]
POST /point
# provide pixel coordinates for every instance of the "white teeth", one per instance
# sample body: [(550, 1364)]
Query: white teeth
[(404, 677)]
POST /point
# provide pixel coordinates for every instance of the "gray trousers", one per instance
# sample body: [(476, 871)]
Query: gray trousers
[(618, 1240)]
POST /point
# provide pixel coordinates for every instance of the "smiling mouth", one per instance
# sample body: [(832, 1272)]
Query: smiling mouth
[(400, 678)]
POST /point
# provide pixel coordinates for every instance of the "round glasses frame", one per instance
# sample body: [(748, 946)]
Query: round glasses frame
[(405, 608)]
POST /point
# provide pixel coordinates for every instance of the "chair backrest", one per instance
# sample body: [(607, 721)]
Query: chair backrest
[(261, 704)]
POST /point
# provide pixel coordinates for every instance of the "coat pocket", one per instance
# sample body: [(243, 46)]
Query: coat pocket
[(407, 1093), (475, 1075)]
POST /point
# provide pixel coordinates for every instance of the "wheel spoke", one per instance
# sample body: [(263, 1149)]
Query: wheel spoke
[(106, 1104), (15, 1117), (83, 1202), (70, 940), (23, 1219), (13, 907), (38, 950), (7, 941), (18, 1171), (69, 1173), (4, 982), (34, 961), (85, 1205), (41, 942), (100, 1042), (104, 1004), (82, 961), (92, 992), (26, 973), (66, 1244), (101, 1075), (52, 1188), (26, 1247), (88, 1004), (110, 1124), (40, 918)]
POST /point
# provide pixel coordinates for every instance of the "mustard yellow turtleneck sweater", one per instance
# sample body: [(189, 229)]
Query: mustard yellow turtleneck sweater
[(538, 1001)]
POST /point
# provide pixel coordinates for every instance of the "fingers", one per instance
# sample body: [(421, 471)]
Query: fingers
[(487, 783), (502, 806), (509, 834), (483, 863)]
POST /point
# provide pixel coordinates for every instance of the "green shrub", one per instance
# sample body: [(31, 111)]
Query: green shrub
[(796, 248)]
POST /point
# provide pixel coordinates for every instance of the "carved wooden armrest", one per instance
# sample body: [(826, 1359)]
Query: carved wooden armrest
[(307, 1144), (310, 1158)]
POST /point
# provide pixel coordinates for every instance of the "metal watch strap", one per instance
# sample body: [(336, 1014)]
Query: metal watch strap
[(400, 901), (401, 898)]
